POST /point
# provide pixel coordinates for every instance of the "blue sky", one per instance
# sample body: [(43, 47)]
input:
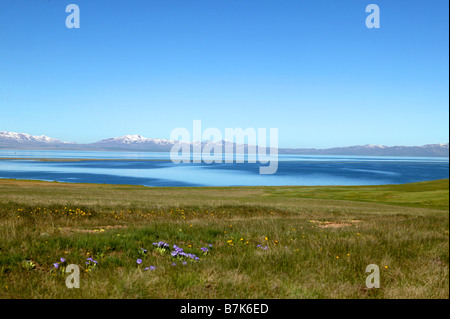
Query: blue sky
[(309, 68)]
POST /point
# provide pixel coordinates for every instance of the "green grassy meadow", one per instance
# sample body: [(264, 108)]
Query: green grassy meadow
[(315, 242)]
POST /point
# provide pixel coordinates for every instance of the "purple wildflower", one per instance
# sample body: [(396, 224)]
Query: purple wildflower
[(56, 265), (177, 248), (63, 260), (139, 261), (161, 244)]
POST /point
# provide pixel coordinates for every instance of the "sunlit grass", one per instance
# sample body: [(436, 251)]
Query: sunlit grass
[(263, 242)]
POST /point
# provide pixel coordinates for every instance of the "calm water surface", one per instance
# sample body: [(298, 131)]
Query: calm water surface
[(156, 169)]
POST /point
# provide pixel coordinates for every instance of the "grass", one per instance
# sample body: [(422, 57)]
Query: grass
[(319, 240)]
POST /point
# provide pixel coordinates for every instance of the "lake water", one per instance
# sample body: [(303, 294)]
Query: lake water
[(156, 169)]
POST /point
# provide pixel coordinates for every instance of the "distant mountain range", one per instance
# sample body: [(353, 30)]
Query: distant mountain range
[(23, 141)]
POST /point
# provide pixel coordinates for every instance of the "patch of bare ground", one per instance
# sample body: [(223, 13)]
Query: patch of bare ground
[(335, 224), (99, 229)]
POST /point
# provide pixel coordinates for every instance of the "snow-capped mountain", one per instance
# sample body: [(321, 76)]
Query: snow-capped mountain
[(13, 140), (138, 142), (10, 138), (135, 139)]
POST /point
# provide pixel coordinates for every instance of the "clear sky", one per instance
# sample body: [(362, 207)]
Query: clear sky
[(312, 69)]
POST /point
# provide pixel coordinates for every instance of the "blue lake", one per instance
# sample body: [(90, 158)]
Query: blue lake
[(156, 169)]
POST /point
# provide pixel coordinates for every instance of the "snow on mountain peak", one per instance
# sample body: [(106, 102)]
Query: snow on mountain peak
[(26, 138), (135, 139), (374, 146), (131, 138)]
